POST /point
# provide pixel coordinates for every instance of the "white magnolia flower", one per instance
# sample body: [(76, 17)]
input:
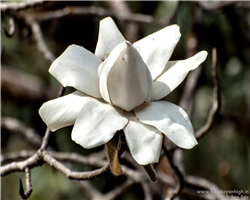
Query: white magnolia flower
[(119, 88)]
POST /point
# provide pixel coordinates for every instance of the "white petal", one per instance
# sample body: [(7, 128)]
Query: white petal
[(128, 79), (157, 48), (170, 119), (144, 142), (78, 67), (97, 123), (150, 85), (63, 111), (109, 37), (101, 66), (104, 70), (174, 73)]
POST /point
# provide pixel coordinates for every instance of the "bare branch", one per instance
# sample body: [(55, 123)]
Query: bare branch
[(187, 99), (36, 159), (77, 158), (16, 6), (90, 191), (117, 191), (29, 134), (177, 172), (98, 11), (199, 183), (28, 191), (14, 156), (72, 174), (38, 37), (20, 166), (132, 28), (46, 139), (40, 156), (25, 87), (28, 182), (192, 47), (45, 142), (33, 161), (216, 99), (147, 191), (63, 157)]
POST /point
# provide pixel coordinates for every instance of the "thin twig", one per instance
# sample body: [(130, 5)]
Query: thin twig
[(72, 174), (187, 99), (199, 183), (29, 134), (46, 139), (16, 6), (177, 172), (78, 158), (25, 87), (43, 156), (38, 37), (48, 131), (131, 31), (62, 156), (14, 156), (216, 99), (89, 190), (120, 189), (31, 162), (101, 12), (28, 182), (147, 191)]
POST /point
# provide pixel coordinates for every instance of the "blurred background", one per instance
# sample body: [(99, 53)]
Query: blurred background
[(222, 155)]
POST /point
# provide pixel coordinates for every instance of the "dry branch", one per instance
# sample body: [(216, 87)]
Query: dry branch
[(28, 183), (199, 183), (132, 28), (117, 191), (38, 37), (14, 156), (16, 6), (24, 87), (177, 172), (72, 174), (101, 12), (32, 161), (29, 134), (216, 99), (91, 192)]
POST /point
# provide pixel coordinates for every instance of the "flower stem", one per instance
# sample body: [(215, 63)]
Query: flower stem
[(150, 172)]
